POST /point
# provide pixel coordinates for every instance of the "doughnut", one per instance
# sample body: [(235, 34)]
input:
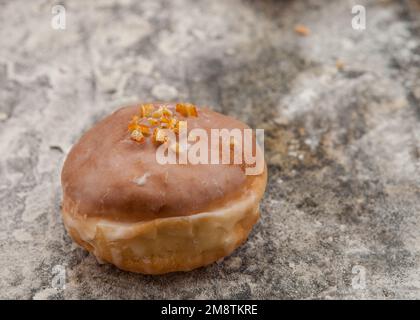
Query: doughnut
[(130, 208)]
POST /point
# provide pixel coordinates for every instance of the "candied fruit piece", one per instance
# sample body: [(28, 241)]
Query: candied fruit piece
[(137, 136), (180, 125), (159, 135), (134, 123), (166, 112), (164, 122), (173, 123), (145, 130), (153, 122), (146, 110), (157, 113), (186, 109)]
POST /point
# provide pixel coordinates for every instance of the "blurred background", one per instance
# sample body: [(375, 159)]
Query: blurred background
[(339, 101)]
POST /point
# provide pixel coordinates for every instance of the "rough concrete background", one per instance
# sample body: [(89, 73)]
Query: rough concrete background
[(343, 145)]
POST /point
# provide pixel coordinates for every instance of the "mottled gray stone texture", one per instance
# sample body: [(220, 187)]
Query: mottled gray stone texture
[(342, 142)]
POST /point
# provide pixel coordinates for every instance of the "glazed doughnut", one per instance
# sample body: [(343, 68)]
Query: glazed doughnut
[(124, 206)]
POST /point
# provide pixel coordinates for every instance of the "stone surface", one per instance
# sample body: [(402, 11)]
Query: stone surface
[(342, 144)]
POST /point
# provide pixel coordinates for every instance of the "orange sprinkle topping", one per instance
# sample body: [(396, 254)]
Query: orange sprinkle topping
[(164, 122), (158, 113), (150, 119), (146, 110), (180, 126), (133, 125), (160, 136), (144, 129), (166, 112), (187, 109), (173, 123), (137, 136)]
